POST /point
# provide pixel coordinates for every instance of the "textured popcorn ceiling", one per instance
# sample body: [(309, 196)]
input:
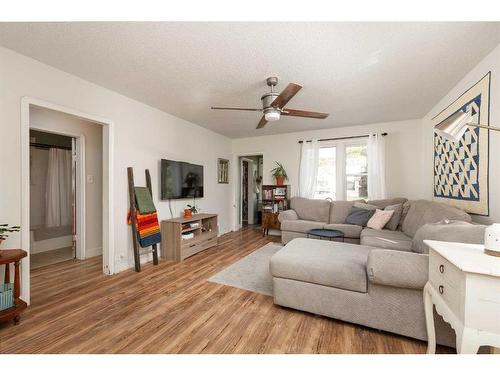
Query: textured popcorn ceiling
[(359, 72)]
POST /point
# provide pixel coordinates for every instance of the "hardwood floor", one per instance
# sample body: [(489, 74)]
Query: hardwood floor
[(51, 257), (172, 308)]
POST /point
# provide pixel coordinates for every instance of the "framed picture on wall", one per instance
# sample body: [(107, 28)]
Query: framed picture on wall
[(223, 171), (461, 171)]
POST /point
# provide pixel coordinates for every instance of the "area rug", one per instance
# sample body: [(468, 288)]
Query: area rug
[(251, 272)]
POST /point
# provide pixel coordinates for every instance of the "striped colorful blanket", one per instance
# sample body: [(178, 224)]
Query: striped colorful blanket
[(148, 228)]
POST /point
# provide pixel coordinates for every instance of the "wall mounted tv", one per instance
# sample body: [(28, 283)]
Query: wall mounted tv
[(181, 180)]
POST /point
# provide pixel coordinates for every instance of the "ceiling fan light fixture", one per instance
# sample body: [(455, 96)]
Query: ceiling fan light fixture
[(272, 115)]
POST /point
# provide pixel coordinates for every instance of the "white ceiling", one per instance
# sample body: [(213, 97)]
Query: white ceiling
[(358, 72)]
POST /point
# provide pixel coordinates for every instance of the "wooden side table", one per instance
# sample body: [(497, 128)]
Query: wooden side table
[(6, 258), (269, 221), (464, 286)]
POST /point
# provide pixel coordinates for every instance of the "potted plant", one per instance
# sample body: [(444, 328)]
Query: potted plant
[(4, 232), (279, 173), (190, 210)]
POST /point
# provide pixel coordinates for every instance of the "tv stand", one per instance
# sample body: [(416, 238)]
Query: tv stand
[(202, 228)]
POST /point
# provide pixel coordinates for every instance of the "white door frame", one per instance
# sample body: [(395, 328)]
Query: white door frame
[(237, 186), (80, 183), (107, 188)]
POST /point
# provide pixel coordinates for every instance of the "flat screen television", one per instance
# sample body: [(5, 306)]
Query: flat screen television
[(181, 180)]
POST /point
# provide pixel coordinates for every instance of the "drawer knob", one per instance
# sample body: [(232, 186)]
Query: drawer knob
[(441, 289), (441, 268)]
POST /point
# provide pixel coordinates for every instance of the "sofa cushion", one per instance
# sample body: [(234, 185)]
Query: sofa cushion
[(301, 226), (334, 264), (359, 216), (311, 209), (349, 230), (339, 211), (383, 203), (396, 216), (365, 205), (423, 212), (386, 239), (406, 208)]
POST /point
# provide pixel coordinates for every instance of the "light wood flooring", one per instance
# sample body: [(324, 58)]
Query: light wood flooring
[(172, 308), (51, 257)]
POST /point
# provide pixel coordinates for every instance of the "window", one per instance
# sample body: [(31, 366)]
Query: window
[(342, 171), (326, 180), (356, 172)]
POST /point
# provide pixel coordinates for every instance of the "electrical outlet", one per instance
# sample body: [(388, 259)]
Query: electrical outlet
[(90, 179)]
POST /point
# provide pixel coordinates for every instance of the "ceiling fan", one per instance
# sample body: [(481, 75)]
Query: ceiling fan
[(273, 104)]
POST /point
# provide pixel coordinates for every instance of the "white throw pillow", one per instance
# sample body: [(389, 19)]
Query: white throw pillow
[(379, 219)]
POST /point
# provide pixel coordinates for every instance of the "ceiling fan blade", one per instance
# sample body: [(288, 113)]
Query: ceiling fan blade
[(262, 122), (238, 109), (285, 96), (300, 113)]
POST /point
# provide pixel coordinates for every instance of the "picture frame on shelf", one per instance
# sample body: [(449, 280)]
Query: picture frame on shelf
[(222, 171)]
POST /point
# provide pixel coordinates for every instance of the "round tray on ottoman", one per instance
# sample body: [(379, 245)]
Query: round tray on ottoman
[(326, 233)]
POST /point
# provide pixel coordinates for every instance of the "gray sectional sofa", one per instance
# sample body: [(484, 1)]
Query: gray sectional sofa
[(306, 214), (377, 279)]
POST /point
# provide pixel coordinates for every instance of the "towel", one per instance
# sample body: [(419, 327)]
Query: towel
[(144, 200), (148, 228)]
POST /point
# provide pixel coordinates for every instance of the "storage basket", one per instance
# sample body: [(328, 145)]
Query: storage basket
[(6, 296)]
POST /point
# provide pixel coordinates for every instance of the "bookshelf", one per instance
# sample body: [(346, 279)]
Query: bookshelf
[(275, 198)]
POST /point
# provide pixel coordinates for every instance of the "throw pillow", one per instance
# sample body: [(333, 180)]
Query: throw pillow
[(359, 216), (379, 219), (366, 206), (406, 208), (396, 216)]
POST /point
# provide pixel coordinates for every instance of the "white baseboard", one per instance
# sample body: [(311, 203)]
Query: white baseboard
[(90, 253)]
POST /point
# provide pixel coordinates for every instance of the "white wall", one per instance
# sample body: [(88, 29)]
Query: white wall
[(58, 121), (142, 136), (403, 153), (489, 63)]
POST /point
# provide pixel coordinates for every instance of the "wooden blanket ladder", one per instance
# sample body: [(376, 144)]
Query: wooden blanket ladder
[(133, 208)]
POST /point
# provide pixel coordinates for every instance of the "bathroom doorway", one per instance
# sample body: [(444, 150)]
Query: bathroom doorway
[(250, 168), (52, 198), (66, 187)]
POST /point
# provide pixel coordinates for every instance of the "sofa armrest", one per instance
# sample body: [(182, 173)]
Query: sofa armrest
[(400, 269), (287, 215), (450, 231)]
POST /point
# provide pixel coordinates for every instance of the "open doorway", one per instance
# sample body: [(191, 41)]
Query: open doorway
[(94, 181), (250, 186), (66, 187)]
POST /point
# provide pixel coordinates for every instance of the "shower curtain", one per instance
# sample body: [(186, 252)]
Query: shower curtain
[(58, 210)]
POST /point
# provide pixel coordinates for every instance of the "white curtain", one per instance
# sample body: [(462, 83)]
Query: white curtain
[(58, 189), (376, 167), (308, 172)]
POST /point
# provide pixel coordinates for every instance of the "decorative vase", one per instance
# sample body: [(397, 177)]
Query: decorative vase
[(492, 240), (188, 213), (280, 180)]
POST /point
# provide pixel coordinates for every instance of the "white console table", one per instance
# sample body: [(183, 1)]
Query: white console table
[(464, 286)]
